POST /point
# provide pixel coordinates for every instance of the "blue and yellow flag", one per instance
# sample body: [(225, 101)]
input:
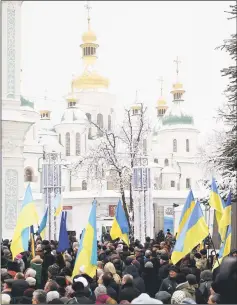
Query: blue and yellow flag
[(43, 224), (186, 212), (226, 216), (225, 248), (27, 217), (58, 205), (32, 239), (120, 228), (87, 252), (217, 204), (193, 233)]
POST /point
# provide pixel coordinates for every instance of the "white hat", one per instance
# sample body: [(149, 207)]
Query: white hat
[(144, 298), (82, 280), (31, 281)]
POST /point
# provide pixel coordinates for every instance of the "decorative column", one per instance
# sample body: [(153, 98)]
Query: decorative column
[(16, 120), (143, 201)]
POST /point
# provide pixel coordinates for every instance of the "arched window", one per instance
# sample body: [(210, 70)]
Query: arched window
[(109, 122), (59, 138), (67, 143), (84, 185), (172, 183), (188, 183), (89, 119), (155, 160), (166, 162), (100, 123), (187, 145), (78, 144), (28, 175), (174, 145), (144, 146)]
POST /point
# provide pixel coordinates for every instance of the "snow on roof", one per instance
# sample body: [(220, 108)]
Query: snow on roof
[(169, 170)]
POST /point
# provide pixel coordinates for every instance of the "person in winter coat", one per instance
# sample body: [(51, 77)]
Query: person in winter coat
[(169, 284), (205, 284), (79, 296), (150, 278), (137, 280), (183, 286), (48, 260), (102, 297), (128, 290), (18, 288), (191, 278), (164, 267), (36, 264), (109, 267), (164, 297), (107, 279)]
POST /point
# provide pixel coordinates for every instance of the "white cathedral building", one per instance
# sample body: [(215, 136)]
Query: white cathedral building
[(172, 151)]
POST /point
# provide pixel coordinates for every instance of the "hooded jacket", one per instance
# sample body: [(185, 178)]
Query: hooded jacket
[(205, 284), (137, 280), (188, 290), (18, 289)]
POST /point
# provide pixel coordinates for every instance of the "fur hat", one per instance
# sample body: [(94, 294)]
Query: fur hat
[(148, 265), (174, 268), (191, 278)]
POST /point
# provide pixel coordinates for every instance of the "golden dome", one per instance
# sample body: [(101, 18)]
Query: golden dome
[(89, 36), (90, 80), (177, 86), (161, 102), (71, 98)]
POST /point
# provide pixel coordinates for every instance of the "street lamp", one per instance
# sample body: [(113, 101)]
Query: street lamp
[(143, 203)]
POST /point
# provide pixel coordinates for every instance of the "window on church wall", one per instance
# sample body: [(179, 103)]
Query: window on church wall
[(188, 183), (59, 139), (78, 144), (166, 162), (187, 145), (174, 145), (109, 122), (155, 160), (100, 123), (67, 143), (28, 175), (88, 116), (172, 183), (84, 185)]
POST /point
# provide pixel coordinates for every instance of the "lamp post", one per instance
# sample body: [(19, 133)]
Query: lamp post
[(143, 203), (52, 185)]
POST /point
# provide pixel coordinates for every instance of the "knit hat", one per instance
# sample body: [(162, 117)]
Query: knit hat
[(144, 298), (79, 278), (52, 295), (178, 297), (163, 296), (206, 275), (31, 281), (53, 269), (197, 255), (174, 268), (185, 270), (191, 278), (203, 251), (148, 265)]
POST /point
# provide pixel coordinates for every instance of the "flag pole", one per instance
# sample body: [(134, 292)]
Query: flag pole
[(214, 248)]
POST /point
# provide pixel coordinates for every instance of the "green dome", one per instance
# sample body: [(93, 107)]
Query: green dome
[(27, 103), (177, 115)]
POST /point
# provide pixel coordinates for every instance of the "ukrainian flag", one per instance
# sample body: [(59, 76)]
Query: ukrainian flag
[(217, 204), (57, 203), (87, 252), (186, 212), (43, 224), (193, 233), (225, 248), (226, 216), (120, 228), (27, 217)]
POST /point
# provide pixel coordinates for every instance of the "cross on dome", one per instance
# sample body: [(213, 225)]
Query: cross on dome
[(177, 61), (88, 7), (161, 80)]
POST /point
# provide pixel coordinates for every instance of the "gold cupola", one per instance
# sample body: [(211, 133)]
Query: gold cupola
[(45, 114), (71, 98), (177, 89), (89, 79), (161, 103)]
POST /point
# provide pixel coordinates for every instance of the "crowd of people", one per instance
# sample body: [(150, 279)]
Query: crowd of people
[(134, 274)]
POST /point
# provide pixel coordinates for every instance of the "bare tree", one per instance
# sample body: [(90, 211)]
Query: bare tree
[(115, 152)]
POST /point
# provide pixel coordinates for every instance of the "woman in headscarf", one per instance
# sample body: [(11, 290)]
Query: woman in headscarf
[(109, 267)]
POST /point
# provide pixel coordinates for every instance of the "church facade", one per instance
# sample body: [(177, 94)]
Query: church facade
[(172, 148)]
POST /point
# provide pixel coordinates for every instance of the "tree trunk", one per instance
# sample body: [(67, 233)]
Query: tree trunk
[(215, 235), (131, 208), (124, 199)]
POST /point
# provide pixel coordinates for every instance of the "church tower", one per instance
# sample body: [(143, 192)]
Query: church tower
[(161, 103)]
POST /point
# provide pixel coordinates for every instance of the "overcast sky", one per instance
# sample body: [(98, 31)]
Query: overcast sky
[(138, 42)]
